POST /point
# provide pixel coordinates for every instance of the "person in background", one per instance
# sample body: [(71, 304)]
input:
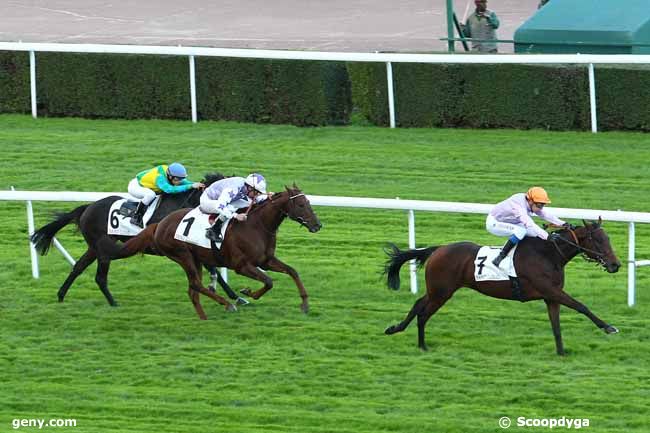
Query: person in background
[(512, 217), (482, 25)]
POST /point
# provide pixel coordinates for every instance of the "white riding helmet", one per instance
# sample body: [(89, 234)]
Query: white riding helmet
[(257, 182)]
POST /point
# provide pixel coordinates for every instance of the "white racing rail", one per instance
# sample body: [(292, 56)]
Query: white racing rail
[(360, 202), (387, 58)]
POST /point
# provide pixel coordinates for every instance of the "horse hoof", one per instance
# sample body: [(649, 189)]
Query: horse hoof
[(231, 308), (390, 330), (246, 292), (611, 330), (304, 308), (242, 301)]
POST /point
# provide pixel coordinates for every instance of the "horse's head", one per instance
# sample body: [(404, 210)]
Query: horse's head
[(298, 209), (594, 244)]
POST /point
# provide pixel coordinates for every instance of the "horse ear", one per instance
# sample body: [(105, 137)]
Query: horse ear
[(585, 223), (295, 186), (600, 221)]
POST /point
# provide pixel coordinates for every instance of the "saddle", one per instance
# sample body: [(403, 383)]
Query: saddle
[(128, 208)]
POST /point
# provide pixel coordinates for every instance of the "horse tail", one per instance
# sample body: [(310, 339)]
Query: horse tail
[(397, 257), (42, 238), (135, 245)]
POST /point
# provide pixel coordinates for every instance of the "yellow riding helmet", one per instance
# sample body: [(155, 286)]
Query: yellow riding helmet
[(538, 195)]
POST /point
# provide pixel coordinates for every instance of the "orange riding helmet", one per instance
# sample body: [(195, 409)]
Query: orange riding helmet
[(538, 195)]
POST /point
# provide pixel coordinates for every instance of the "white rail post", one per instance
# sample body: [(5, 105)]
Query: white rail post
[(224, 274), (30, 230), (592, 98), (32, 82), (413, 267), (391, 96), (193, 88), (631, 266), (63, 251)]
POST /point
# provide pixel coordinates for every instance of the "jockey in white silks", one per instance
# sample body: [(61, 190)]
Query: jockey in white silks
[(512, 217), (224, 197)]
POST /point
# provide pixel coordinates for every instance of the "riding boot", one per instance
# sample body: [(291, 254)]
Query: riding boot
[(504, 252), (214, 233), (136, 219)]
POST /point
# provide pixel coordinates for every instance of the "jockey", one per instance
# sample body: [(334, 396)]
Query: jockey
[(224, 197), (512, 217), (147, 184)]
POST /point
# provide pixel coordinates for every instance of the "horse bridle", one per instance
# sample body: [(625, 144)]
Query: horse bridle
[(285, 214), (299, 220), (582, 250)]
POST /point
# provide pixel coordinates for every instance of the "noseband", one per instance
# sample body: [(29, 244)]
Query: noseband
[(599, 256)]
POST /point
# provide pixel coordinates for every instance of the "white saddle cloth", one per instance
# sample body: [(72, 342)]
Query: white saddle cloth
[(193, 226), (121, 225), (484, 270)]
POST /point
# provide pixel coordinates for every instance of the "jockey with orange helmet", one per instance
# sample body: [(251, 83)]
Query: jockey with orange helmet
[(147, 184), (512, 217), (225, 196)]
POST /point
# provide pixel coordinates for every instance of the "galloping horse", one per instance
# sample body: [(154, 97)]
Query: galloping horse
[(92, 220), (540, 269), (248, 245)]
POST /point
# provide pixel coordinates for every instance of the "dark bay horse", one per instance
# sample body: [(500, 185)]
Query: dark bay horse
[(540, 269), (92, 220), (248, 245)]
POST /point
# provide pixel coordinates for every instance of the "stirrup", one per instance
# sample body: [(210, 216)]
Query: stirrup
[(213, 235)]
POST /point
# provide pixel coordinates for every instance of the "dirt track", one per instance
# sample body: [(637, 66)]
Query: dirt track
[(334, 25)]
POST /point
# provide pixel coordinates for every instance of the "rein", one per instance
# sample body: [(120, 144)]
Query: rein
[(582, 250), (285, 214)]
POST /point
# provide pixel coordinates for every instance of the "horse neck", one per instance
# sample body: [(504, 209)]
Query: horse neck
[(271, 214), (568, 251), (171, 202)]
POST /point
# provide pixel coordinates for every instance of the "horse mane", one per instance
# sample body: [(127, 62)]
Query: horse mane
[(275, 197), (211, 178)]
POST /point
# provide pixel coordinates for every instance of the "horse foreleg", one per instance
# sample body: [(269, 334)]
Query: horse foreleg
[(84, 261), (554, 316), (276, 265), (101, 278), (250, 271), (415, 310), (215, 277), (566, 300)]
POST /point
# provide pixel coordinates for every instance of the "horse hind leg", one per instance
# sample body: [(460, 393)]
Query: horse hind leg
[(436, 301), (84, 261), (194, 297), (415, 310)]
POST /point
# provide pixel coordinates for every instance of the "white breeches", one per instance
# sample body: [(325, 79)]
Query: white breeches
[(145, 195), (507, 229), (212, 207)]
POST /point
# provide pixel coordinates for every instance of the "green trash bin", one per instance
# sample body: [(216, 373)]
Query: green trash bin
[(588, 27)]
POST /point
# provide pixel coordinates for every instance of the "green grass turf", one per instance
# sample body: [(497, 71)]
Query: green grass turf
[(150, 365)]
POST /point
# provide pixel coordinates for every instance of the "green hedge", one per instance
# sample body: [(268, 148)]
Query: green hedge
[(14, 82), (310, 93), (502, 96), (131, 86)]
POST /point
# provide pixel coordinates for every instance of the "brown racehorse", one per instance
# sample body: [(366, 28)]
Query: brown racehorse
[(539, 265), (248, 245)]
